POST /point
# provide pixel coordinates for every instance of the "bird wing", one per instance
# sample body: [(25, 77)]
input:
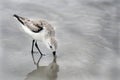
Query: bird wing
[(36, 27)]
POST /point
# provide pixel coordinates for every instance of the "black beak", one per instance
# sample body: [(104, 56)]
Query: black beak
[(54, 53), (19, 18), (15, 16)]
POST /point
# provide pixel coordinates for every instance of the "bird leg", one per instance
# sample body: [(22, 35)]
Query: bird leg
[(33, 43), (38, 48), (32, 51), (32, 46)]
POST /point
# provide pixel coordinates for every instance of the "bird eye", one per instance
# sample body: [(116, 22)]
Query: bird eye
[(51, 47)]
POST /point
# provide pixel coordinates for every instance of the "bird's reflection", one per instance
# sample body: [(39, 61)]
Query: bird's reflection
[(44, 72)]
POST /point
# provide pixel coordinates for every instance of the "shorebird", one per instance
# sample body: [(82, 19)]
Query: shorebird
[(39, 30)]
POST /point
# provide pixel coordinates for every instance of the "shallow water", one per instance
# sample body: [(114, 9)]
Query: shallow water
[(87, 33)]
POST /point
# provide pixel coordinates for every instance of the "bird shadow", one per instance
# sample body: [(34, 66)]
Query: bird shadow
[(48, 72)]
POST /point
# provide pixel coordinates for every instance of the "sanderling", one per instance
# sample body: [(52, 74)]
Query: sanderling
[(40, 30)]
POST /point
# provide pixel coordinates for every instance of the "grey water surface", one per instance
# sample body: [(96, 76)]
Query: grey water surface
[(88, 40)]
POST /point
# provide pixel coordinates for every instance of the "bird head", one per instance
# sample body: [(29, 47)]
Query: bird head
[(33, 25), (52, 44), (22, 20)]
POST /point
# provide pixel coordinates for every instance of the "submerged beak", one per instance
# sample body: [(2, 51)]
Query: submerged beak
[(54, 53), (20, 19)]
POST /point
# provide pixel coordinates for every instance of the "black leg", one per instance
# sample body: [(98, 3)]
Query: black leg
[(32, 51), (32, 46), (38, 48)]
